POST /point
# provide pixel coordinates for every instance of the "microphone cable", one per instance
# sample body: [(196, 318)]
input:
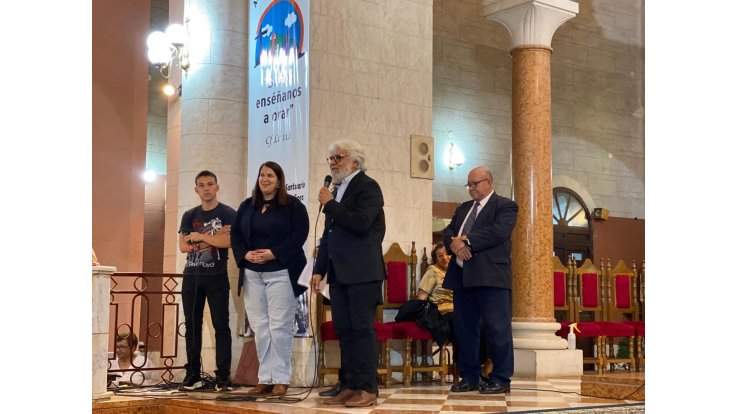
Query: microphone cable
[(190, 349)]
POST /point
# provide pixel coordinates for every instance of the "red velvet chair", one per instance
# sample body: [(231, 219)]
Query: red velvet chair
[(623, 285), (563, 288), (400, 286), (590, 295)]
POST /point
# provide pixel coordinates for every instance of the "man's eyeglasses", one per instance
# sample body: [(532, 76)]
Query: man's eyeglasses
[(474, 184), (335, 158)]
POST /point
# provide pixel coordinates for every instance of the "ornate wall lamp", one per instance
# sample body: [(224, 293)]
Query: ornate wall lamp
[(454, 157), (169, 48)]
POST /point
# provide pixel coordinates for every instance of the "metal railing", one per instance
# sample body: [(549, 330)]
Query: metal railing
[(148, 305)]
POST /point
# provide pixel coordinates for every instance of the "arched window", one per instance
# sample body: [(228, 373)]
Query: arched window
[(571, 220)]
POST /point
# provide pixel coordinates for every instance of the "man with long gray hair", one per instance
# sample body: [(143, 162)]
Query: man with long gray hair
[(351, 255)]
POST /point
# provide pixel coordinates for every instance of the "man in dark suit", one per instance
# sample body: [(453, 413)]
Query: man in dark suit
[(479, 274), (351, 255)]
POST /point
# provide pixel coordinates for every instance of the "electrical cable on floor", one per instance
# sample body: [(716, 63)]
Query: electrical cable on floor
[(577, 393), (635, 391)]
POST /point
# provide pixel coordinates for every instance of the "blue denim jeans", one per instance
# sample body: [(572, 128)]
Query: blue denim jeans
[(271, 306)]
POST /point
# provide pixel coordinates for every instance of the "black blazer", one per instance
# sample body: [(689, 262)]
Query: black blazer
[(490, 243), (354, 230), (290, 253)]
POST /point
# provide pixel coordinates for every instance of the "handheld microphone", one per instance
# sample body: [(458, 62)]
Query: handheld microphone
[(328, 181)]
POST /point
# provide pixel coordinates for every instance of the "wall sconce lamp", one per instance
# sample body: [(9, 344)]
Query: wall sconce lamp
[(454, 157), (149, 176), (169, 48), (170, 90)]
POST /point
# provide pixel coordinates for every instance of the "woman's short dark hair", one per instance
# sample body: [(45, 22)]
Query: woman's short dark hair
[(434, 251), (282, 198)]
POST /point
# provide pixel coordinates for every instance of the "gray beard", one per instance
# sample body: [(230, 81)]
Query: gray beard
[(338, 177)]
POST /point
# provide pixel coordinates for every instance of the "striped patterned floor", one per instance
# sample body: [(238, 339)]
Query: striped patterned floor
[(525, 395)]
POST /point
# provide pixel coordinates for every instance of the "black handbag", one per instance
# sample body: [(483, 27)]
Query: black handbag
[(427, 316), (413, 310)]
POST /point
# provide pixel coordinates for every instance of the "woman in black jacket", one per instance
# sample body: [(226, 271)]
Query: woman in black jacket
[(267, 236)]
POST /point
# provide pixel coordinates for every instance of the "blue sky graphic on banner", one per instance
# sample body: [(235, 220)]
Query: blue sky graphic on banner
[(280, 31)]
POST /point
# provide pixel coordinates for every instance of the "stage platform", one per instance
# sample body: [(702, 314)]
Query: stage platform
[(622, 385), (525, 395)]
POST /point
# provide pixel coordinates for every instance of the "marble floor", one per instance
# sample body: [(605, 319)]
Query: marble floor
[(525, 395)]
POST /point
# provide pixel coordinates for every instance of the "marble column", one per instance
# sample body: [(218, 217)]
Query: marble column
[(213, 119), (538, 353), (100, 329)]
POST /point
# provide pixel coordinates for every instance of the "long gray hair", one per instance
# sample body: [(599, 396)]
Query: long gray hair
[(354, 150)]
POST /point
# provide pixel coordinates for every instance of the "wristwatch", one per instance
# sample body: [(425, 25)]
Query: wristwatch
[(466, 240)]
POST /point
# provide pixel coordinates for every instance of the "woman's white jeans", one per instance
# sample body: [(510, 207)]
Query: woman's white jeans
[(271, 307)]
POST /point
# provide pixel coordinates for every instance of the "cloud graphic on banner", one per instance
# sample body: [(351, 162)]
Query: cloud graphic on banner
[(266, 30), (290, 19)]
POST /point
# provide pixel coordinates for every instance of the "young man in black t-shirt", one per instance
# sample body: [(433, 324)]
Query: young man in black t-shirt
[(204, 235)]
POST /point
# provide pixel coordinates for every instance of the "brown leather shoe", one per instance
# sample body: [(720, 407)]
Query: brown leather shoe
[(362, 399), (279, 390), (340, 398), (260, 390)]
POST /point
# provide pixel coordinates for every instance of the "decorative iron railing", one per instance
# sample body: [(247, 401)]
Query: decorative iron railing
[(148, 305)]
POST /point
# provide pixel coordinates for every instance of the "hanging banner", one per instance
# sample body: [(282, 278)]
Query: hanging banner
[(278, 101), (278, 91)]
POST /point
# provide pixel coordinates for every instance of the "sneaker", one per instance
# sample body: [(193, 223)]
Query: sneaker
[(191, 382), (223, 385)]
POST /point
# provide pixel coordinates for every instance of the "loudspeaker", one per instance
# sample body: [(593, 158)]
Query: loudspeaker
[(422, 154), (600, 213)]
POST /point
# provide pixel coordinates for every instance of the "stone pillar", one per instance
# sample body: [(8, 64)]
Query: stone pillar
[(173, 138), (213, 124), (538, 353), (100, 329)]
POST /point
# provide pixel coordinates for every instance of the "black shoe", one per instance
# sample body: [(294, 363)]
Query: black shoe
[(464, 386), (493, 388), (191, 382), (223, 385), (332, 392)]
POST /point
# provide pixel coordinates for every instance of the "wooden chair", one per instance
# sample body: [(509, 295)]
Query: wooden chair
[(640, 324), (624, 298), (641, 291), (589, 297), (563, 288), (400, 286), (622, 287), (424, 265)]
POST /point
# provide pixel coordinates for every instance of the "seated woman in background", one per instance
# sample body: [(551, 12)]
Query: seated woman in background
[(431, 283), (431, 287), (128, 358)]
